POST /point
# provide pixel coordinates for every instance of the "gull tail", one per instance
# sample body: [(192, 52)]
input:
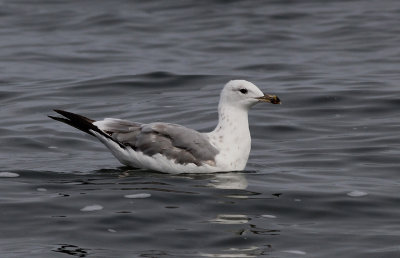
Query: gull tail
[(82, 123)]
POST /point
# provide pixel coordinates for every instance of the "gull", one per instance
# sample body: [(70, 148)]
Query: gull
[(172, 148)]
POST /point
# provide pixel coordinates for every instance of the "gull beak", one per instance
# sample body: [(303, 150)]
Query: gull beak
[(270, 99)]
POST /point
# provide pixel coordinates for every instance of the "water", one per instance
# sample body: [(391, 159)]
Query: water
[(323, 176)]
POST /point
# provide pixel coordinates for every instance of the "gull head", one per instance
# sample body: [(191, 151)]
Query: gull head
[(241, 93)]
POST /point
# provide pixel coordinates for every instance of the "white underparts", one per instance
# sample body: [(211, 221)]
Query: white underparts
[(232, 138)]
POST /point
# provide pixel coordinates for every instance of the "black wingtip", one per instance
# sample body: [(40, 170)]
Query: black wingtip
[(59, 111), (62, 112), (53, 117), (72, 116), (61, 119), (82, 123)]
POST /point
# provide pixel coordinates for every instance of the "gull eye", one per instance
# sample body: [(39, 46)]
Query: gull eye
[(244, 91)]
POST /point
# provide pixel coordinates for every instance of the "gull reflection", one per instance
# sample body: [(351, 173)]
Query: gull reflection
[(229, 181), (230, 219), (252, 251)]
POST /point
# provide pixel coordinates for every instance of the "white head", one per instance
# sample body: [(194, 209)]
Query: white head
[(241, 93)]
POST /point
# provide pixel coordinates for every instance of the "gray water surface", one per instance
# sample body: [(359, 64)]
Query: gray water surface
[(323, 175)]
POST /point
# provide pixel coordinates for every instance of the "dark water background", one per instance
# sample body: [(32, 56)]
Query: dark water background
[(323, 176)]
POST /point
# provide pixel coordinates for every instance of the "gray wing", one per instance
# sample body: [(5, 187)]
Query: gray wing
[(175, 142)]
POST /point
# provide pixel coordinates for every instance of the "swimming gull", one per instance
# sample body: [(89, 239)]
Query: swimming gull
[(173, 148)]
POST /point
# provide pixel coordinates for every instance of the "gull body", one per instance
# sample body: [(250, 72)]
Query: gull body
[(173, 148)]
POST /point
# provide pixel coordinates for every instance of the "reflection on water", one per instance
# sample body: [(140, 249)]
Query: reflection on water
[(230, 219), (298, 252), (235, 253), (229, 181)]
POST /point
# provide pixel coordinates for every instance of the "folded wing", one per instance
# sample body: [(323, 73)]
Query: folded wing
[(178, 143), (175, 142)]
